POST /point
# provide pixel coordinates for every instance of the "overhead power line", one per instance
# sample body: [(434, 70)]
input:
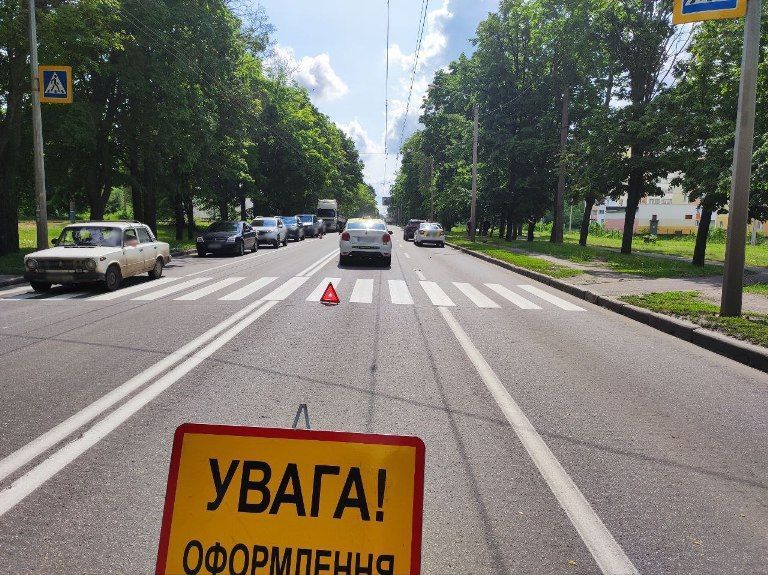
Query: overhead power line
[(386, 96), (422, 21)]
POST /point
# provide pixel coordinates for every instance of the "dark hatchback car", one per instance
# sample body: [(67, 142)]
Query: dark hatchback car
[(294, 227), (410, 229), (227, 237)]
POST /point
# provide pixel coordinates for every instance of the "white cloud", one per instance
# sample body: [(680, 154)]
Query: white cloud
[(365, 145), (433, 43), (314, 73)]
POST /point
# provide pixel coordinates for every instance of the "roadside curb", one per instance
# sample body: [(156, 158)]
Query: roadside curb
[(735, 349)]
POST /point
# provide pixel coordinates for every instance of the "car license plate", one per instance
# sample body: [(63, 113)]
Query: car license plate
[(366, 247), (214, 246)]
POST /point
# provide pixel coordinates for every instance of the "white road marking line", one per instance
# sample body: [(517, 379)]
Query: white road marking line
[(478, 298), (42, 472), (308, 271), (436, 295), (420, 275), (247, 290), (282, 292), (317, 293), (398, 292), (209, 289), (553, 299), (133, 289), (516, 299), (362, 292), (242, 260), (608, 554), (407, 255), (14, 291), (67, 295), (172, 289), (25, 454)]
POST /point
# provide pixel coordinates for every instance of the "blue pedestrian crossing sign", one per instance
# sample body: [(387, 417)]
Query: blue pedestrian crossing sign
[(55, 84), (685, 11)]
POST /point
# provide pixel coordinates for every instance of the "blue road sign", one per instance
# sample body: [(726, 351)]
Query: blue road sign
[(55, 84)]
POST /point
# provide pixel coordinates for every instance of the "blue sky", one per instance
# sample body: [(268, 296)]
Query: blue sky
[(337, 50)]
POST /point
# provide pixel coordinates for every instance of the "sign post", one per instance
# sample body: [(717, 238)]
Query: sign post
[(261, 500), (738, 210), (41, 212)]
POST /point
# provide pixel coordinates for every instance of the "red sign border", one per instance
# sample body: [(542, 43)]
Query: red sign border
[(300, 434)]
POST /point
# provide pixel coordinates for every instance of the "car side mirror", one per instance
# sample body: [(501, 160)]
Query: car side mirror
[(55, 241)]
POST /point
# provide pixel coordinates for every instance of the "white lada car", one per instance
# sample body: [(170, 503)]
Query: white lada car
[(365, 238), (97, 252)]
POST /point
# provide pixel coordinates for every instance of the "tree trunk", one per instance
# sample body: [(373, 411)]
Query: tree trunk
[(634, 193), (559, 216), (10, 144), (137, 194), (589, 203), (513, 225), (150, 196), (503, 224), (189, 205), (531, 228), (241, 198), (178, 213), (702, 234)]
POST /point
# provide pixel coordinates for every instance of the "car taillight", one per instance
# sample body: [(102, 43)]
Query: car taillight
[(345, 236), (385, 238)]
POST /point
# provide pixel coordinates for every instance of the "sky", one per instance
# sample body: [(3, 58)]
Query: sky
[(337, 50)]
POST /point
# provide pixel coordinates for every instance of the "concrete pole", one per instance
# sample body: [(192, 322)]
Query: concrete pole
[(37, 137), (431, 190), (733, 274), (473, 209)]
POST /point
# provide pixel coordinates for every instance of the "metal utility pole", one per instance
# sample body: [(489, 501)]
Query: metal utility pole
[(37, 137), (733, 274), (473, 209)]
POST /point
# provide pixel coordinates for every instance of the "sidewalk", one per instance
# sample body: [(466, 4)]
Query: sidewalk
[(10, 280)]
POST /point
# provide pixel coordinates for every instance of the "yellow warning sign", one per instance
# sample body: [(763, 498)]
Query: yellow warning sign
[(251, 501), (55, 84)]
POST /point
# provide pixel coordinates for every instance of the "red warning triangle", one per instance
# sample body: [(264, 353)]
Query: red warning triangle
[(329, 296)]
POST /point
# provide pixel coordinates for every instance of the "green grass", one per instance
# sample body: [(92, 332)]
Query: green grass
[(634, 264), (752, 327), (524, 261), (758, 288), (13, 264)]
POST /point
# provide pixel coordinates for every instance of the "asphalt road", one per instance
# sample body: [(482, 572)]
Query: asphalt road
[(560, 437)]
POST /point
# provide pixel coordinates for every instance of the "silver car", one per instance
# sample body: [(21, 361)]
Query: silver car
[(311, 225), (270, 231)]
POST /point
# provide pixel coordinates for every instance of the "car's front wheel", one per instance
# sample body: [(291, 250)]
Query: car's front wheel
[(285, 241), (113, 278), (157, 271), (40, 286)]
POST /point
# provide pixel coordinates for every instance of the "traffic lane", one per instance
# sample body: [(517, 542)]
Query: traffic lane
[(673, 424), (51, 373), (480, 483)]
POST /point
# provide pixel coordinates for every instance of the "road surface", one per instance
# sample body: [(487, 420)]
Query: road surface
[(560, 437)]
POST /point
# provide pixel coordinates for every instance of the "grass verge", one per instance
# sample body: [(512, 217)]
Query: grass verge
[(13, 264), (524, 261), (752, 327), (758, 288), (633, 264)]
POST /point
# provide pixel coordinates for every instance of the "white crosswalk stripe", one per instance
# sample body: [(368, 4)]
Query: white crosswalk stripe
[(436, 294), (317, 293), (511, 296), (553, 299), (172, 289), (131, 290), (14, 291), (209, 289), (282, 292), (398, 292), (478, 298), (247, 290), (362, 292)]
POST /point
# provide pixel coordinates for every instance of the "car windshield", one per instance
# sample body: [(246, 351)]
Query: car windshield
[(326, 213), (265, 223), (288, 220), (223, 227), (91, 236), (431, 227), (366, 226), (307, 219)]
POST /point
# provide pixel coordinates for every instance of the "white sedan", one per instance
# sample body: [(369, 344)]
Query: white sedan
[(365, 238), (429, 233)]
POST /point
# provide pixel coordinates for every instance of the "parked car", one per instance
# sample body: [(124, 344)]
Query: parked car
[(97, 252), (429, 233), (410, 229), (365, 238), (271, 231), (227, 237), (311, 224), (294, 227)]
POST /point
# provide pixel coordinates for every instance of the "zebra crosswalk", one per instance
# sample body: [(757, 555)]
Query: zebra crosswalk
[(357, 291)]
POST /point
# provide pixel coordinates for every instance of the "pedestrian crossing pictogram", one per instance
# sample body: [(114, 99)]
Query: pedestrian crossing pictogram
[(55, 84), (55, 87)]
